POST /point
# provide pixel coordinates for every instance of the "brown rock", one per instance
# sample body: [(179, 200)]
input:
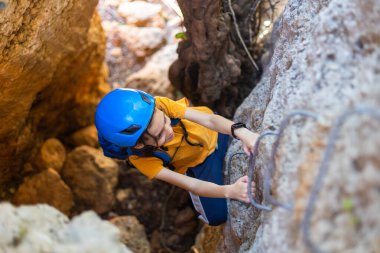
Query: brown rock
[(132, 233), (46, 187), (172, 240), (184, 216), (92, 178), (187, 228), (155, 241), (86, 136), (208, 239), (52, 155), (51, 62)]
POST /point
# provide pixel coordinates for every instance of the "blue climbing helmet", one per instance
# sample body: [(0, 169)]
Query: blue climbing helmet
[(123, 115)]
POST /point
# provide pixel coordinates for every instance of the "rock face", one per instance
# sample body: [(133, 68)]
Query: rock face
[(92, 177), (52, 154), (325, 60), (212, 68), (34, 190), (42, 228), (132, 233), (51, 59), (153, 78)]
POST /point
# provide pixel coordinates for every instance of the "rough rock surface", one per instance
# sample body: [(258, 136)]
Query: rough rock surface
[(142, 41), (325, 60), (92, 178), (46, 187), (42, 228), (52, 154), (86, 136), (43, 91), (164, 210), (141, 13), (153, 78), (212, 68), (132, 233), (123, 56)]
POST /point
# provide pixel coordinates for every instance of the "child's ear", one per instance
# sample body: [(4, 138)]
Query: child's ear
[(139, 146)]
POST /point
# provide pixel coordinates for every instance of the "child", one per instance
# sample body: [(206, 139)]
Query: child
[(135, 120)]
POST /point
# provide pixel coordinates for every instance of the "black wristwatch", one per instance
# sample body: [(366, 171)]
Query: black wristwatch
[(236, 126)]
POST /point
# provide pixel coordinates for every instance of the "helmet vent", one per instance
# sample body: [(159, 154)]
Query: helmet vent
[(145, 98), (131, 129)]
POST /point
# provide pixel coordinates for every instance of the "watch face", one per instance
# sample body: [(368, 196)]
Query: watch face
[(238, 125)]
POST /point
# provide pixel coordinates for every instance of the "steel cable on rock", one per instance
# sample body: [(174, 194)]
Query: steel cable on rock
[(332, 137), (268, 173)]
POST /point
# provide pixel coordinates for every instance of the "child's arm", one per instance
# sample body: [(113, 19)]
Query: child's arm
[(237, 191), (222, 125)]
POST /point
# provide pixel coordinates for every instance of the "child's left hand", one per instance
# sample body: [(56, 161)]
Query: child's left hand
[(239, 191)]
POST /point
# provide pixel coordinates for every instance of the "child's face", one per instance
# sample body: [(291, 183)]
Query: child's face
[(159, 130)]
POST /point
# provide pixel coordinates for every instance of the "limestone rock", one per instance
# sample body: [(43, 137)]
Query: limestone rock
[(325, 60), (153, 78), (132, 233), (141, 13), (42, 228), (92, 178), (46, 187), (142, 41)]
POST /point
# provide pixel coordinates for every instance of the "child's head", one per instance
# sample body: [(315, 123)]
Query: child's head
[(129, 118), (158, 132)]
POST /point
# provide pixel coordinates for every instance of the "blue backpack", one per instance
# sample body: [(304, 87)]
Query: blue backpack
[(122, 153)]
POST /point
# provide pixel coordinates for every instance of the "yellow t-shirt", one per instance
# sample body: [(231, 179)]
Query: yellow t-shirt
[(187, 156)]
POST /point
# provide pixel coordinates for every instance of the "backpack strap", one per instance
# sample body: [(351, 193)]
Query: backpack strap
[(160, 154), (174, 121)]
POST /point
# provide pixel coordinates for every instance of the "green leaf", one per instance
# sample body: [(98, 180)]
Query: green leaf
[(348, 204), (181, 35)]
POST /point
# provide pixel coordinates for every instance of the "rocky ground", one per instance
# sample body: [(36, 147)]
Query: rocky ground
[(152, 216), (141, 45)]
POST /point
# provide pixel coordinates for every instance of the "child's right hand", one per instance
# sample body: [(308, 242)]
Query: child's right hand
[(238, 190)]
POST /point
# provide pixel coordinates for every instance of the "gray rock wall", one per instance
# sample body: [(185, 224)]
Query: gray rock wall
[(325, 60)]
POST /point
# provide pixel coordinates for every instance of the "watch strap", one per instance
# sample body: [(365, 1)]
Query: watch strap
[(237, 126)]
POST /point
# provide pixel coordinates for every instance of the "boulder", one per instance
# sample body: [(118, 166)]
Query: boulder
[(87, 136), (41, 228), (92, 178), (141, 13), (132, 233), (153, 78), (46, 187), (51, 74), (141, 41), (52, 154)]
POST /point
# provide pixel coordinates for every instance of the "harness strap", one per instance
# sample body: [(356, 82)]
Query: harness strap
[(161, 154)]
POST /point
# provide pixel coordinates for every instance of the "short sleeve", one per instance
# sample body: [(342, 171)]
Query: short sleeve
[(149, 166), (174, 109)]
